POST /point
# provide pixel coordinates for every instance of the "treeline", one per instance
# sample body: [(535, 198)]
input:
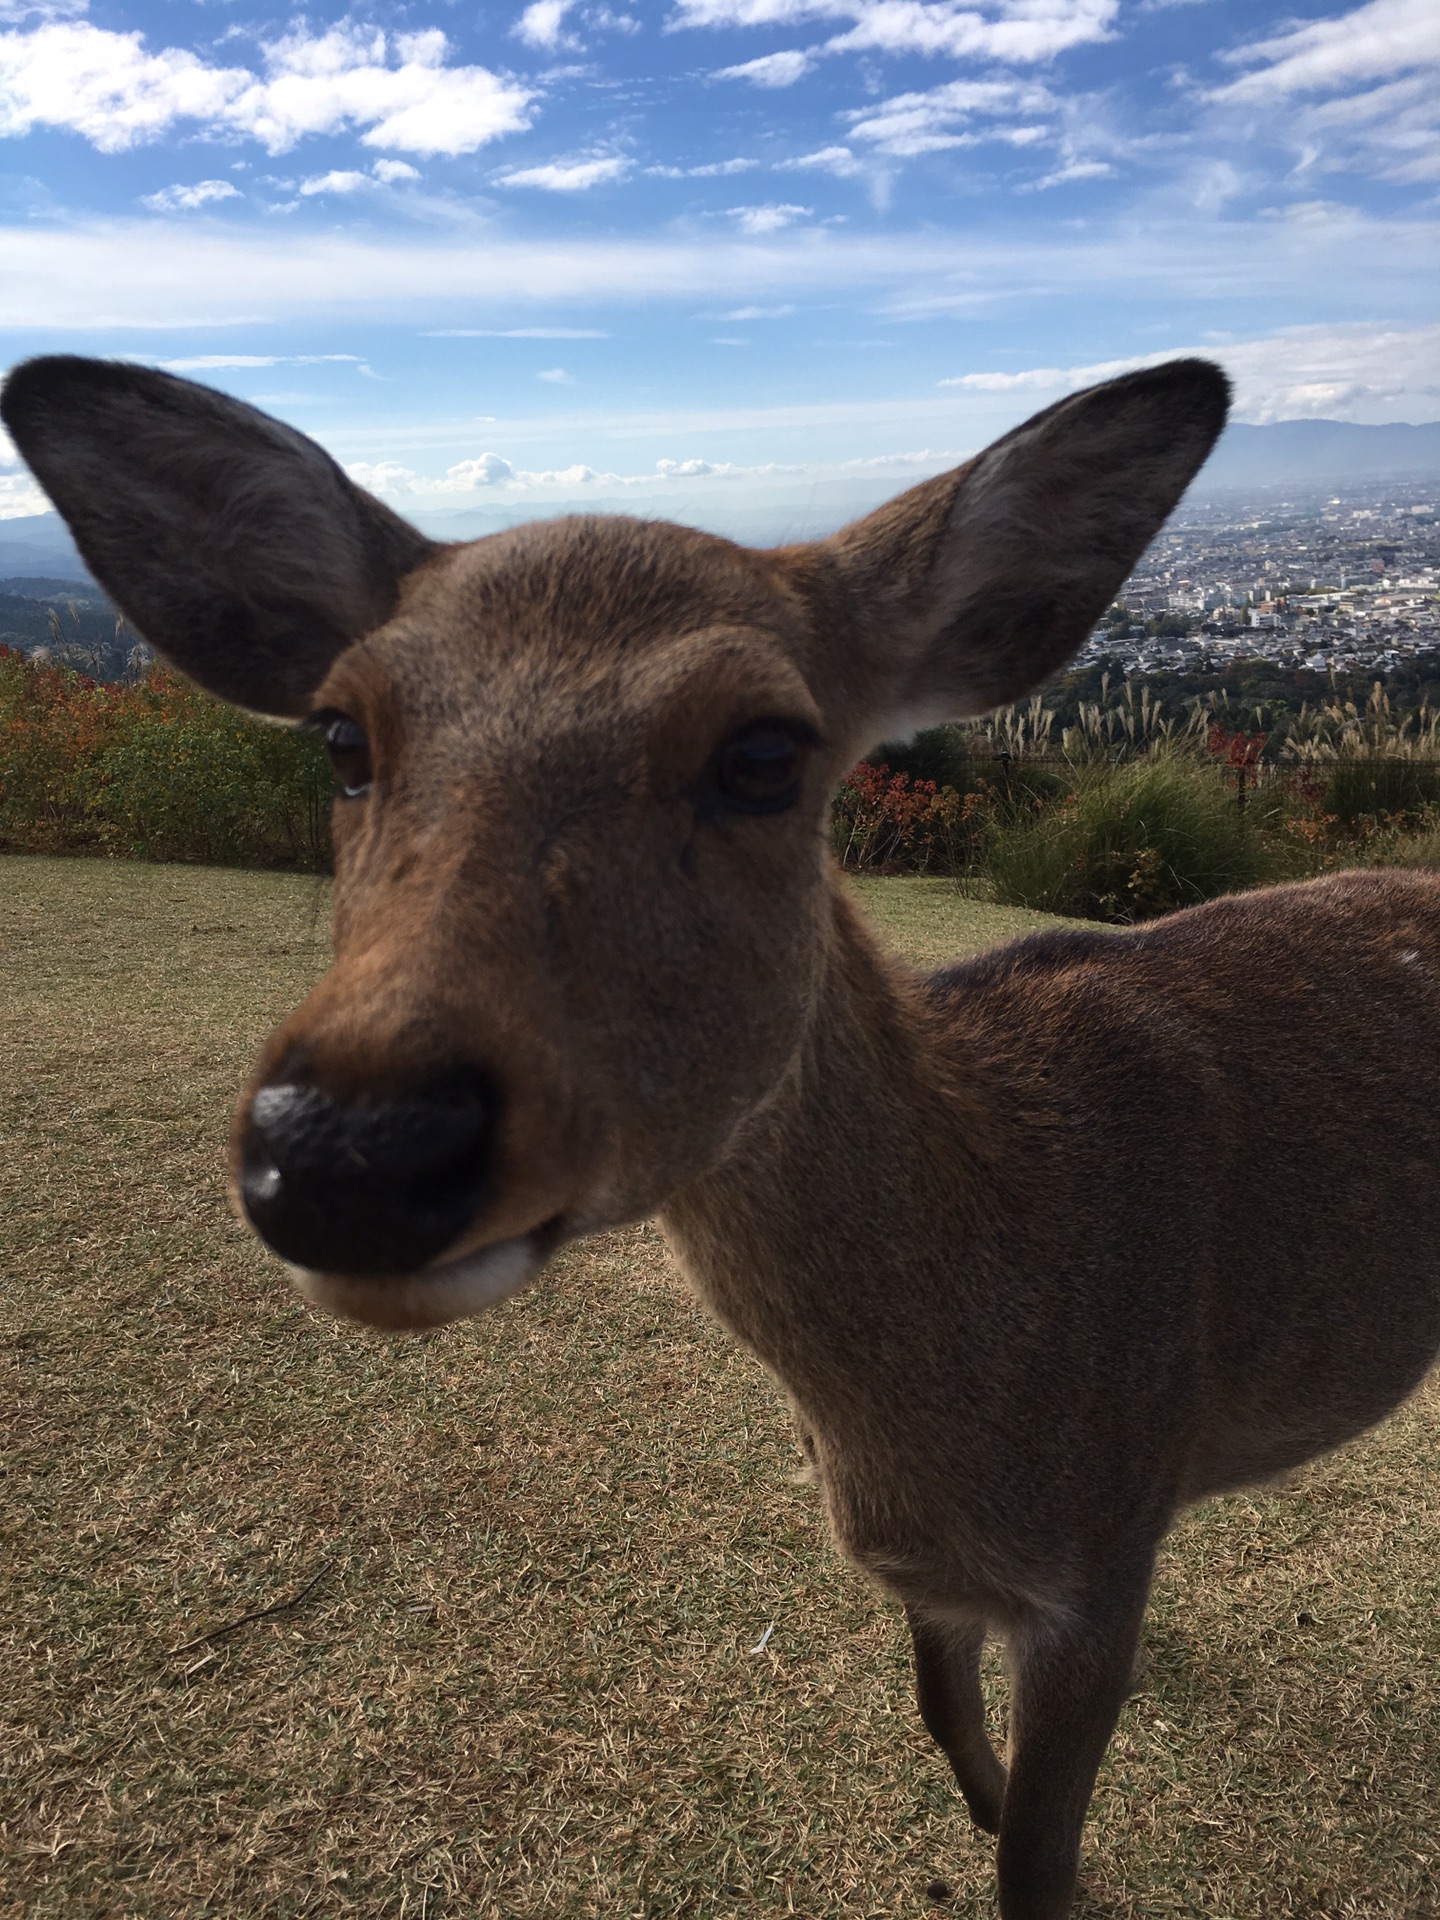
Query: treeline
[(153, 770), (1243, 685), (1126, 810)]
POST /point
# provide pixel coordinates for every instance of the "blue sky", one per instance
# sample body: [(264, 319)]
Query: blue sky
[(694, 253)]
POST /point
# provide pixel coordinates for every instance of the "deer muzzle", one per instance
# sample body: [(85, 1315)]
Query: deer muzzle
[(375, 1188)]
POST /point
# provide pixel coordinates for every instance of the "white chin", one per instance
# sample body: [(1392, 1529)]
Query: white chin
[(428, 1299)]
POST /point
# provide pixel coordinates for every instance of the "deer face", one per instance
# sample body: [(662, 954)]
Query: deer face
[(580, 844), (584, 771)]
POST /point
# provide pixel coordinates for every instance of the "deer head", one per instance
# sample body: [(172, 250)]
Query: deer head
[(582, 894)]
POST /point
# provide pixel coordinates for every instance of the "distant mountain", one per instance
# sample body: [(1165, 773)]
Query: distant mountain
[(40, 544), (1326, 453), (1311, 453)]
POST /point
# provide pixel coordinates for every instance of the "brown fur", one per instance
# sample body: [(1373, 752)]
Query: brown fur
[(972, 1224)]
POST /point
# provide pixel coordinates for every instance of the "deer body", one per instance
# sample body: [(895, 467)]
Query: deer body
[(1017, 1183), (1040, 1248)]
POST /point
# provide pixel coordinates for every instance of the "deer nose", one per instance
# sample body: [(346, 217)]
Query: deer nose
[(368, 1188)]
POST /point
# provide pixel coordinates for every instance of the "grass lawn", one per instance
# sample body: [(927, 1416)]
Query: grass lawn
[(535, 1553)]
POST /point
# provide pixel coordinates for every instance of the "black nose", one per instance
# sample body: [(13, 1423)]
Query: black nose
[(366, 1188)]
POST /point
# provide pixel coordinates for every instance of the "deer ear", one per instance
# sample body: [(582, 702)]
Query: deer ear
[(975, 587), (236, 546)]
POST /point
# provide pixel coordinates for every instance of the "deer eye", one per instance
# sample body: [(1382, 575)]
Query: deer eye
[(758, 770), (349, 752)]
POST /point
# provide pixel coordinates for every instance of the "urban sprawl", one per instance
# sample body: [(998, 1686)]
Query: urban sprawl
[(1347, 580)]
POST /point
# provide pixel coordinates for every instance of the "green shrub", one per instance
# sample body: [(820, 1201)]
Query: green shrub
[(1379, 788), (1127, 842), (158, 771)]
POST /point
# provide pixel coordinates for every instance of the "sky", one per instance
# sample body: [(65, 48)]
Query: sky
[(695, 257)]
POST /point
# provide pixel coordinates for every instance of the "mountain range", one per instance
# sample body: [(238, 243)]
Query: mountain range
[(1308, 454)]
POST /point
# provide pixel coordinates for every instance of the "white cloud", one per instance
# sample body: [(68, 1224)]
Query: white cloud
[(1009, 30), (837, 160), (750, 13), (1020, 33), (106, 87), (515, 333), (491, 474), (1077, 170), (1299, 373), (1380, 65), (557, 376), (541, 25), (1373, 42), (211, 362), (712, 170), (385, 173), (109, 274), (336, 181), (773, 218), (12, 12), (488, 471), (20, 494), (944, 116), (722, 169), (771, 70), (20, 497), (757, 313), (574, 176), (182, 199)]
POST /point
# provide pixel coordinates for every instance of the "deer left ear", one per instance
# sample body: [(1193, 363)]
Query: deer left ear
[(976, 587), (236, 546)]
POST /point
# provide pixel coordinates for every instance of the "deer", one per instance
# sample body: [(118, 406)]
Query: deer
[(594, 963)]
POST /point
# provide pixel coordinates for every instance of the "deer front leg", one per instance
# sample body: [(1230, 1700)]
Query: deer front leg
[(1067, 1685), (947, 1689)]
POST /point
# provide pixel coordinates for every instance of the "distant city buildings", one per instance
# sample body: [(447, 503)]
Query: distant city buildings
[(1348, 581)]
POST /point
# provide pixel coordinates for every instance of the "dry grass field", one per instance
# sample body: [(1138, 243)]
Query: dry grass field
[(531, 1558)]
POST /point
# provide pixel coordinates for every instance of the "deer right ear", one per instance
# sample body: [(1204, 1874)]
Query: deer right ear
[(235, 545), (976, 587)]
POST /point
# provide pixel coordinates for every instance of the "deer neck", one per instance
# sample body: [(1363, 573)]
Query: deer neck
[(836, 1205)]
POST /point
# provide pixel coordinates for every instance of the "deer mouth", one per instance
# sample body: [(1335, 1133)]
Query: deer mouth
[(449, 1290)]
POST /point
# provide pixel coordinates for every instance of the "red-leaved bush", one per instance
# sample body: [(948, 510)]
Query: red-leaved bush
[(886, 821)]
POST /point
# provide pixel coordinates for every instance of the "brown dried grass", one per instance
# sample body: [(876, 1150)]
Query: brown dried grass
[(521, 1685)]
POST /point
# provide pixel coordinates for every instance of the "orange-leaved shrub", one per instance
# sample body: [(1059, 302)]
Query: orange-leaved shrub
[(884, 821), (154, 770)]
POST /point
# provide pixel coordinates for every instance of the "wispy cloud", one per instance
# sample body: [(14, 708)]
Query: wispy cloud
[(569, 176), (837, 160), (183, 199), (1013, 31), (771, 69), (946, 116), (384, 173), (514, 333), (213, 362), (771, 218), (1077, 170), (1372, 42), (711, 170), (1299, 373), (1380, 66), (175, 275), (491, 474), (397, 90)]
